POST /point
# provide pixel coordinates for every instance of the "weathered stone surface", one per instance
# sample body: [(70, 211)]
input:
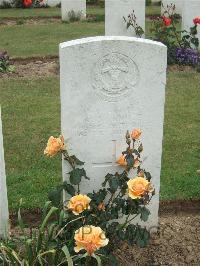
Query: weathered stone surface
[(191, 10), (110, 85), (53, 2), (115, 10), (78, 6), (178, 4), (3, 190)]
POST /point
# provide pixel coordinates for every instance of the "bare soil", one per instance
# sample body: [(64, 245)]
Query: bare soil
[(176, 243), (33, 67), (37, 20), (29, 21), (49, 66)]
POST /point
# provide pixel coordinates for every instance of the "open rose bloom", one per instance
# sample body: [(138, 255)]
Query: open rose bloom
[(137, 187), (122, 160), (196, 20), (79, 203), (54, 145), (90, 238), (136, 133), (167, 21)]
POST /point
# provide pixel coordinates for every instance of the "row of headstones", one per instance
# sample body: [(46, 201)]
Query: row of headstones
[(115, 10)]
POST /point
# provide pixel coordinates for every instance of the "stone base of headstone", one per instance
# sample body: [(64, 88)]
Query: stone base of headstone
[(73, 9)]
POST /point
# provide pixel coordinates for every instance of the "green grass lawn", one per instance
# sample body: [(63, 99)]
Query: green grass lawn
[(19, 41), (31, 113), (54, 11), (47, 37), (43, 12)]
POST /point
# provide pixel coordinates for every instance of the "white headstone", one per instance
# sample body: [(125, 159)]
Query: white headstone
[(52, 2), (115, 10), (191, 10), (110, 85), (178, 4), (76, 6), (4, 216)]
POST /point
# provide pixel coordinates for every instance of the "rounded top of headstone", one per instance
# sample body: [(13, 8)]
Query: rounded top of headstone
[(109, 38)]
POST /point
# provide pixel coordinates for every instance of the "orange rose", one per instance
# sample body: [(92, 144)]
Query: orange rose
[(136, 133), (54, 145), (90, 238), (137, 187), (122, 161), (79, 203), (101, 206)]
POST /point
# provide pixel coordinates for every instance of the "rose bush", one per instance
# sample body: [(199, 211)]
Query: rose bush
[(165, 29), (87, 228), (97, 212)]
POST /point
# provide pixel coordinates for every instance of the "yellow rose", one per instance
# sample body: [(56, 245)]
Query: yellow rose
[(54, 145), (137, 187), (122, 161), (90, 238), (136, 133), (79, 203)]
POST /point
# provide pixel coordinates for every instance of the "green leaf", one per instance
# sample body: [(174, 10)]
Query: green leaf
[(114, 183), (144, 214), (76, 160), (49, 214), (69, 188), (55, 196), (67, 255), (98, 259), (76, 175), (20, 221), (112, 260)]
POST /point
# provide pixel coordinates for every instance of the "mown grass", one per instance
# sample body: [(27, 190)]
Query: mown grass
[(43, 12), (55, 11), (31, 112), (41, 40)]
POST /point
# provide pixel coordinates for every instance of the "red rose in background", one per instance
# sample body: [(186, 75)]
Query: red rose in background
[(167, 21), (196, 20), (27, 3)]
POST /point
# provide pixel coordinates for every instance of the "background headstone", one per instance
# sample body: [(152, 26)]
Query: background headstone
[(78, 6), (177, 3), (191, 10), (4, 216), (53, 2), (110, 85), (115, 10)]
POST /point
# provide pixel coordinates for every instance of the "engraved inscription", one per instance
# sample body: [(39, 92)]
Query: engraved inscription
[(114, 76), (114, 158)]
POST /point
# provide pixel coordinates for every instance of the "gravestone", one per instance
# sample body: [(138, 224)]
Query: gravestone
[(178, 4), (4, 216), (70, 8), (191, 10), (110, 85), (52, 2), (115, 10)]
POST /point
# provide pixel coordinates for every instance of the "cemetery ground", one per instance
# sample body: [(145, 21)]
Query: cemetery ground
[(31, 112)]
